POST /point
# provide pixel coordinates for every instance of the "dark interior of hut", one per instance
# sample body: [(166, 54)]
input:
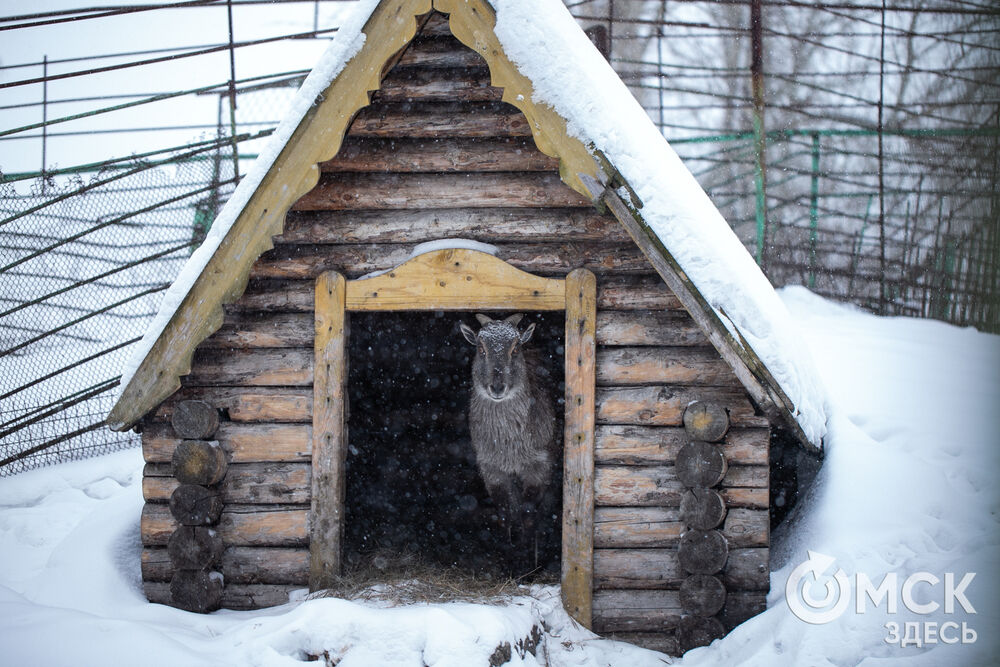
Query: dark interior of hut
[(792, 472), (414, 498)]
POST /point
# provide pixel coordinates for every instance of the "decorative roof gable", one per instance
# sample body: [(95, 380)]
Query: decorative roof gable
[(580, 112)]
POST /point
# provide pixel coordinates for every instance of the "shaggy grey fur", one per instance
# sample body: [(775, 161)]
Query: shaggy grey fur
[(511, 419)]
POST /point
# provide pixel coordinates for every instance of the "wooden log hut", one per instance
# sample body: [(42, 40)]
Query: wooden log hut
[(429, 131)]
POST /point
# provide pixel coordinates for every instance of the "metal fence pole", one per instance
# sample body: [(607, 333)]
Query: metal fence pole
[(882, 296), (232, 92), (45, 115), (759, 139), (813, 209)]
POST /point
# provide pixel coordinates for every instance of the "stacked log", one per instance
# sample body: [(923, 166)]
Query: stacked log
[(703, 550), (262, 502), (195, 547), (652, 364)]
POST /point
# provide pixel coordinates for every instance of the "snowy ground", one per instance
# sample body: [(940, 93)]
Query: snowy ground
[(907, 487)]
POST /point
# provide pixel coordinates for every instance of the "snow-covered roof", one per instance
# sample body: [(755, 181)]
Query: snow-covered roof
[(565, 69), (577, 106)]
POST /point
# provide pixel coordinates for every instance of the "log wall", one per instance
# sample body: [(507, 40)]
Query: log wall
[(438, 155)]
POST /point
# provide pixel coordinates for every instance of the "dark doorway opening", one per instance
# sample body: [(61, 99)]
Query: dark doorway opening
[(414, 498)]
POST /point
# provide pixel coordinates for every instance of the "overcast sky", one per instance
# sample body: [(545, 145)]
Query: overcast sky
[(158, 29)]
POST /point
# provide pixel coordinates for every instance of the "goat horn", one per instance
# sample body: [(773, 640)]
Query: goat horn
[(483, 320), (514, 319)]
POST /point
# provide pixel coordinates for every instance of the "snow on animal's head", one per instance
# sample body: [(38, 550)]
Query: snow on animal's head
[(498, 370)]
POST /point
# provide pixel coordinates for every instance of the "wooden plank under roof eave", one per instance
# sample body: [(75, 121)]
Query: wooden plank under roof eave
[(752, 373)]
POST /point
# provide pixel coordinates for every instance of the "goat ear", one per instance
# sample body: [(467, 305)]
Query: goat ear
[(482, 319), (467, 332), (514, 319), (526, 334)]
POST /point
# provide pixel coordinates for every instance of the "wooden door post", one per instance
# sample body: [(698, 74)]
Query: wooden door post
[(326, 524), (578, 458)]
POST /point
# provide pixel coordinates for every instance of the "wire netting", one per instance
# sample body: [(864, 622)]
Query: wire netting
[(857, 156), (83, 262)]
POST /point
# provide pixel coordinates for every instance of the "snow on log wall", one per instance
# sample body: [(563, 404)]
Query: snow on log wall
[(437, 155)]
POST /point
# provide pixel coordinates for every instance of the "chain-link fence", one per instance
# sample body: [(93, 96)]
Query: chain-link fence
[(82, 264), (933, 254), (84, 258), (853, 147)]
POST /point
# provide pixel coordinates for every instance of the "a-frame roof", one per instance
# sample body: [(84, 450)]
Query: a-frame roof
[(579, 111)]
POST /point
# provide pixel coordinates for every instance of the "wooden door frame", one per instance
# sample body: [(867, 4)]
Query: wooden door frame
[(456, 279)]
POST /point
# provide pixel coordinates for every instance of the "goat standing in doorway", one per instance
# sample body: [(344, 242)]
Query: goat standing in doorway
[(512, 424)]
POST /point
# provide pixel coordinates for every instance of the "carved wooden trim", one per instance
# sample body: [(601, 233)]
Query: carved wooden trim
[(473, 23), (455, 279)]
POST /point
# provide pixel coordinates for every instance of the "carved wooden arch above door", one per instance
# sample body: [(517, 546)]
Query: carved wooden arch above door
[(456, 279)]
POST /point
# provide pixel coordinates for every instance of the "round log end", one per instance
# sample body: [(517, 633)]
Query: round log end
[(706, 421), (194, 548), (702, 595), (199, 462), (700, 464), (194, 420), (695, 631), (702, 551), (702, 509), (193, 505), (196, 590)]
